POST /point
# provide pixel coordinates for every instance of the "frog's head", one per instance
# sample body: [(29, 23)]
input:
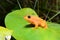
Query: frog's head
[(27, 17)]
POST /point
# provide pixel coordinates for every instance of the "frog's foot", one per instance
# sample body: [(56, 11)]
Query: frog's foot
[(45, 27), (35, 28)]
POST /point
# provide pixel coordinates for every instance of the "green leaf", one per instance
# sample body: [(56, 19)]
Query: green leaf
[(24, 31)]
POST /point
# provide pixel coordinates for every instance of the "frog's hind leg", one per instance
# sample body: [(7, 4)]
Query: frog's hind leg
[(45, 26)]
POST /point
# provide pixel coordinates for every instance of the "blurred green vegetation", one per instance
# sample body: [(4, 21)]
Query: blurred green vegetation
[(44, 8)]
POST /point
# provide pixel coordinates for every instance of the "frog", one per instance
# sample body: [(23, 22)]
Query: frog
[(36, 20)]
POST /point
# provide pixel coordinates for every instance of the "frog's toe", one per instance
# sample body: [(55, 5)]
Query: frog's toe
[(35, 28)]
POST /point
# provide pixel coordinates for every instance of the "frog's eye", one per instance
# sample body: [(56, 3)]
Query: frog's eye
[(29, 16)]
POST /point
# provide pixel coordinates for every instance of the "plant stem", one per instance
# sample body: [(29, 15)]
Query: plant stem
[(35, 3), (54, 16), (19, 4)]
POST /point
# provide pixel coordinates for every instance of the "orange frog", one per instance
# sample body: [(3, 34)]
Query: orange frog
[(37, 21)]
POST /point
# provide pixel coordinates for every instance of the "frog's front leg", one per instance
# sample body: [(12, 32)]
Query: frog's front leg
[(36, 25)]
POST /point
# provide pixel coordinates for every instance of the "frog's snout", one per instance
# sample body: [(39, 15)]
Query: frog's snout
[(25, 17)]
